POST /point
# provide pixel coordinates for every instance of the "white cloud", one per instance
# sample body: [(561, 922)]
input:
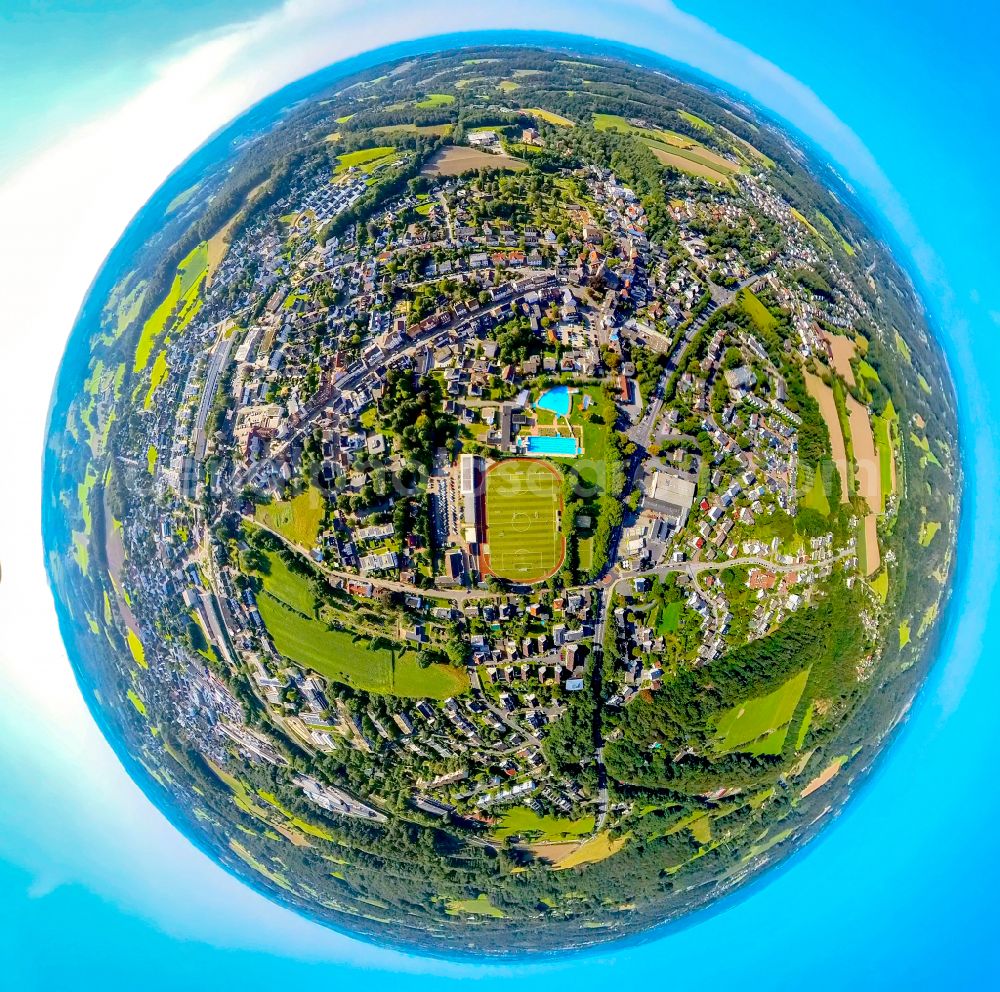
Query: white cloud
[(62, 214)]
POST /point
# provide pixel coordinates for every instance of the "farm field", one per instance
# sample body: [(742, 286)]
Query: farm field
[(869, 474), (550, 118), (522, 820), (685, 163), (761, 723), (824, 776), (749, 150), (804, 727), (523, 504), (298, 518), (823, 395), (867, 372), (433, 129), (843, 350), (598, 848), (676, 150), (455, 159)]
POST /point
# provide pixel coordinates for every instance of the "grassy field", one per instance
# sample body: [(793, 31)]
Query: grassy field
[(351, 660), (883, 444), (701, 829), (807, 224), (292, 589), (178, 307), (434, 100), (157, 376), (761, 723), (181, 198), (816, 497), (298, 518), (152, 456), (866, 371), (924, 445), (522, 820), (365, 159), (880, 585), (902, 347), (695, 120), (804, 727), (286, 607), (835, 234), (927, 531), (750, 152), (669, 618), (904, 633), (756, 311), (480, 906), (523, 503), (136, 648)]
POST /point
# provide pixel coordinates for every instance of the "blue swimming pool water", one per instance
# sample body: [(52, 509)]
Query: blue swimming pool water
[(552, 445), (557, 400)]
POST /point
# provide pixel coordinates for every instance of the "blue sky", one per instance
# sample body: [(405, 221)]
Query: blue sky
[(95, 888), (65, 60)]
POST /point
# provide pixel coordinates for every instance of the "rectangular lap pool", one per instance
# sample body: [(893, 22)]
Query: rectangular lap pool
[(565, 446)]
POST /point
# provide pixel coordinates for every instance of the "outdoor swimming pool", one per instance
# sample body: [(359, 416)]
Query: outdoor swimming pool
[(552, 445), (557, 400)]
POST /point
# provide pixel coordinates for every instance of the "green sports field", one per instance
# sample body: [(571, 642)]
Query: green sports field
[(523, 505)]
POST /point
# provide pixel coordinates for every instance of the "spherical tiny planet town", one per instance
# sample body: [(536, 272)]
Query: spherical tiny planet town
[(501, 502)]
